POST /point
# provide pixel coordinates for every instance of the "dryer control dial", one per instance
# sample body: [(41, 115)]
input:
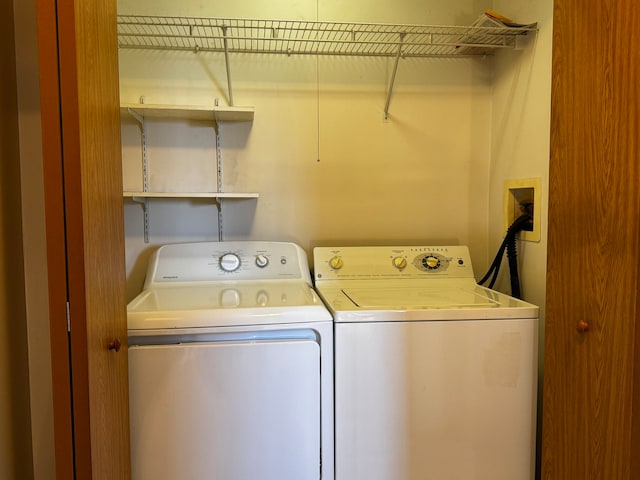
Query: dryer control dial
[(229, 262), (262, 260), (336, 263), (399, 262)]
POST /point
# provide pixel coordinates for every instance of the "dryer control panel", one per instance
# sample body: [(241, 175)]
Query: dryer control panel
[(227, 261), (363, 263)]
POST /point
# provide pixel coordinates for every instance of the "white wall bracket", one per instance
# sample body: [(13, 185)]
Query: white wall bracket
[(227, 65), (144, 201), (393, 77)]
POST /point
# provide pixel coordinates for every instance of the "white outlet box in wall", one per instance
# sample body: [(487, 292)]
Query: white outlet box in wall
[(518, 195)]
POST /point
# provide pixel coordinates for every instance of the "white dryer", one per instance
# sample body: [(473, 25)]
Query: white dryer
[(435, 376), (230, 366)]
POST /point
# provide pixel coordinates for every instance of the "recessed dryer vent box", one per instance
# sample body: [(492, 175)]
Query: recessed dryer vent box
[(522, 196)]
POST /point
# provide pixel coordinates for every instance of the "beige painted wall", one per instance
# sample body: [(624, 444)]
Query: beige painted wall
[(520, 137), (520, 150), (328, 168)]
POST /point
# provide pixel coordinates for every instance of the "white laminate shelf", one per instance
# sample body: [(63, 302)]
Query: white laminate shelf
[(143, 195), (191, 112), (143, 199), (214, 114)]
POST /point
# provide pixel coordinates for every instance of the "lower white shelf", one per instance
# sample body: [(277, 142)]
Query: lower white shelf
[(188, 195), (143, 199)]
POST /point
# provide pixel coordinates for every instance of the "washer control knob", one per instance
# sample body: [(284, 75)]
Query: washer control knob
[(336, 263), (431, 262), (262, 260), (229, 262), (399, 262)]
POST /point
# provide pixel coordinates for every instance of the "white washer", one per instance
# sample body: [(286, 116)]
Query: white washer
[(435, 376), (230, 366)]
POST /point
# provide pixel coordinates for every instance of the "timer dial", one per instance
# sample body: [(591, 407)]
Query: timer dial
[(431, 262), (229, 262)]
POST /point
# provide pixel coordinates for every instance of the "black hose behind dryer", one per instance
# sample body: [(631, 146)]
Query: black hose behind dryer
[(509, 244)]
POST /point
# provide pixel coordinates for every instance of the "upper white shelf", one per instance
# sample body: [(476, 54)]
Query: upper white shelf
[(291, 37), (191, 112)]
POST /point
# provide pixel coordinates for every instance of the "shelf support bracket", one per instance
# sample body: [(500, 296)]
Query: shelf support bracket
[(145, 157), (219, 178), (145, 211), (218, 204), (393, 78), (145, 170)]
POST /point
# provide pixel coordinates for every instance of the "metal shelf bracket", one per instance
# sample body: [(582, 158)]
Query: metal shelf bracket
[(227, 65), (145, 209), (393, 77)]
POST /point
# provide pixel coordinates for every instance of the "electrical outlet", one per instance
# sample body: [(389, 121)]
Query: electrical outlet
[(523, 196)]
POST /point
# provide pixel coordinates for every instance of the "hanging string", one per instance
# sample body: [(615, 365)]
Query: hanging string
[(317, 91)]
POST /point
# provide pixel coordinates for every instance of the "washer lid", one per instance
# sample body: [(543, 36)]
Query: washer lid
[(225, 304), (419, 301), (418, 298)]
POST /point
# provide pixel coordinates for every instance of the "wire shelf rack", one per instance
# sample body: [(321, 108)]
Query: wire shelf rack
[(290, 37)]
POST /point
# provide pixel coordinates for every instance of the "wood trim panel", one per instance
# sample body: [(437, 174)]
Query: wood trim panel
[(593, 247), (635, 420), (55, 228)]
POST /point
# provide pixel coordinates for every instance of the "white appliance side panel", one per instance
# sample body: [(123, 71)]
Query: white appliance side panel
[(229, 410), (436, 400)]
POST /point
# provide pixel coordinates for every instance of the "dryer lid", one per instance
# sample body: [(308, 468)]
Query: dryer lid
[(225, 304)]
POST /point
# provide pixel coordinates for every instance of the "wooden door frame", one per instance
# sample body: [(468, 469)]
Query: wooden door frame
[(85, 236), (56, 237)]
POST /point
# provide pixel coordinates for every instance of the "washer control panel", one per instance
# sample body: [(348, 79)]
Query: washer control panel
[(391, 262), (222, 261)]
